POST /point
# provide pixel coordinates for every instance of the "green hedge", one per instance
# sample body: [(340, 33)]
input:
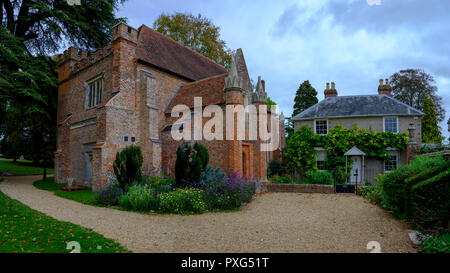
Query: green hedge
[(396, 191), (419, 191)]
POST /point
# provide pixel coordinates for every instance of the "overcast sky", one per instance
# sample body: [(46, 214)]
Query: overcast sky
[(351, 42)]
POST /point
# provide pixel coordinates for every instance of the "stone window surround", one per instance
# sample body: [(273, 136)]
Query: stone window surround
[(87, 87)]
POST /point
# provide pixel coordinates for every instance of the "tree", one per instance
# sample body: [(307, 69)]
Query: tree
[(289, 125), (30, 30), (270, 102), (412, 86), (448, 125), (197, 33), (44, 25), (430, 128), (306, 97)]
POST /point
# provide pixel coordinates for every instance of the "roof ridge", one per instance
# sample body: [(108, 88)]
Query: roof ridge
[(172, 40)]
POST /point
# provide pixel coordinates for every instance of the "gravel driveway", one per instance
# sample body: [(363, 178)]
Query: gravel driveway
[(277, 223)]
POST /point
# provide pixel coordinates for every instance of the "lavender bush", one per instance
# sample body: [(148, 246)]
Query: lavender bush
[(109, 196), (225, 192)]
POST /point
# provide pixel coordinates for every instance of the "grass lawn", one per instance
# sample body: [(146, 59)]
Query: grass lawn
[(24, 230), (85, 197), (21, 167)]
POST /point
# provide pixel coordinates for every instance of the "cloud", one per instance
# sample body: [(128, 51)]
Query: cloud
[(349, 42)]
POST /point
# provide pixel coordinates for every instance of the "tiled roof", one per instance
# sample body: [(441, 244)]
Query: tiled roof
[(210, 90), (372, 105), (163, 52)]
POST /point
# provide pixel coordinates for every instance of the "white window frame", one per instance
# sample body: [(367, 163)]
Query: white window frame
[(392, 153), (98, 93), (315, 126), (384, 124), (320, 150)]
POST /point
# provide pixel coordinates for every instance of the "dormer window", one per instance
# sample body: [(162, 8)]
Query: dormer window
[(321, 127), (390, 124), (95, 92)]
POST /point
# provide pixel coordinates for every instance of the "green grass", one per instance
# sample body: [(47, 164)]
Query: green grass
[(439, 244), (85, 196), (21, 168), (24, 230)]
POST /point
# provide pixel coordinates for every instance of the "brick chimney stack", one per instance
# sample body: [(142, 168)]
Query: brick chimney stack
[(384, 89), (331, 92)]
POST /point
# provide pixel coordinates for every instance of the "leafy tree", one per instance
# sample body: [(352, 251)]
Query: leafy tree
[(44, 25), (270, 103), (127, 166), (430, 128), (448, 125), (289, 125), (412, 86), (29, 31), (196, 32), (306, 97)]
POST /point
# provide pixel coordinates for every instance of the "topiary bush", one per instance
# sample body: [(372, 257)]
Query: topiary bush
[(109, 196), (191, 162), (140, 198), (127, 166), (319, 178), (182, 201)]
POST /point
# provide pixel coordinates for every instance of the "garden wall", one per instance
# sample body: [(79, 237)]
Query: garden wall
[(295, 188)]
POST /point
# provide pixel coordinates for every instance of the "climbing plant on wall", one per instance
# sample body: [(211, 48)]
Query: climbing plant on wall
[(302, 154)]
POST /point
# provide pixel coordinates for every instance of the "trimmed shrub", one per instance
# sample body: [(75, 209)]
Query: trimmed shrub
[(319, 178), (140, 198), (225, 193), (109, 196), (190, 163), (439, 244), (182, 201), (396, 192), (430, 202), (127, 166)]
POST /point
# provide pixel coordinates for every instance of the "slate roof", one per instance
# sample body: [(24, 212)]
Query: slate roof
[(161, 51), (347, 106)]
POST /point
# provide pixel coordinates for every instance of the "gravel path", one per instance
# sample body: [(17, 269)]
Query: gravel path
[(271, 223)]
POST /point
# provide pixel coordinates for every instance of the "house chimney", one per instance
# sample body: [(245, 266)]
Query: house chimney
[(384, 89), (331, 92)]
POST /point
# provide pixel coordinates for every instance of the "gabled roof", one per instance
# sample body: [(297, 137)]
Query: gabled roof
[(348, 106), (161, 51), (354, 152), (210, 90)]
